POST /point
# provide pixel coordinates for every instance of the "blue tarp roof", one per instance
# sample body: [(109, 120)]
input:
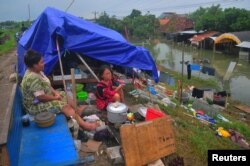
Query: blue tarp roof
[(80, 36)]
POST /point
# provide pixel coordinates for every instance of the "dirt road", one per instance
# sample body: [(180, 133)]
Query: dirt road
[(7, 66)]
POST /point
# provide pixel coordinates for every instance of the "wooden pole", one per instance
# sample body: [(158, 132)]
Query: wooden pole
[(91, 71), (126, 32), (60, 62), (72, 71), (182, 73)]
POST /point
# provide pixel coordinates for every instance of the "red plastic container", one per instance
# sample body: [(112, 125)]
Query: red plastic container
[(153, 114)]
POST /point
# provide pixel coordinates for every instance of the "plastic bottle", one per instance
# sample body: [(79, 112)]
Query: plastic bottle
[(68, 90), (74, 127)]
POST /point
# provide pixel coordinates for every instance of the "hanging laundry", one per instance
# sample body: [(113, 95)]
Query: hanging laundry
[(223, 93), (239, 139), (196, 67), (171, 81), (197, 93), (208, 70)]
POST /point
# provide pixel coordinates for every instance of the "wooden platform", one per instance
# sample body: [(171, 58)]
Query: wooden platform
[(88, 80), (52, 145), (244, 108), (33, 145)]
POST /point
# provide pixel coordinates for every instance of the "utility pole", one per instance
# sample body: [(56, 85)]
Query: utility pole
[(126, 32), (182, 73), (95, 14), (69, 6), (29, 12)]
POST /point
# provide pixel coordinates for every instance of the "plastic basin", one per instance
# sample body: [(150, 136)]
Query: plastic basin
[(81, 96)]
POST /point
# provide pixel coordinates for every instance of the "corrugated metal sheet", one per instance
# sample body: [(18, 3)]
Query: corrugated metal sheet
[(200, 37), (244, 44), (238, 37)]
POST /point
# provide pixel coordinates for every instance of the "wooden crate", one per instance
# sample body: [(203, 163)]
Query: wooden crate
[(147, 141)]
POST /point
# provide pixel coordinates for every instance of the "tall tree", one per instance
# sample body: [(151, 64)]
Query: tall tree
[(214, 18), (138, 26)]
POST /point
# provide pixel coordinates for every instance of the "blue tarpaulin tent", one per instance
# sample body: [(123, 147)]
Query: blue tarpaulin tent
[(81, 36)]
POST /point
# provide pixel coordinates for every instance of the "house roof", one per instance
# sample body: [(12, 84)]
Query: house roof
[(244, 44), (190, 32), (243, 35), (163, 21), (200, 37), (177, 23), (237, 37)]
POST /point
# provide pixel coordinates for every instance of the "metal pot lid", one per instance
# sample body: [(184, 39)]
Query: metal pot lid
[(44, 116), (117, 107)]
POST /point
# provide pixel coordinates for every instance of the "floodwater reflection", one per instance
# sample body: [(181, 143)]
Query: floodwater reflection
[(170, 56)]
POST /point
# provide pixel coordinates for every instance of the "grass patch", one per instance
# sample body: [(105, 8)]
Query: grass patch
[(197, 138), (10, 44)]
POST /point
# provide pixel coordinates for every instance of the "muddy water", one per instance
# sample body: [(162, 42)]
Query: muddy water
[(169, 55)]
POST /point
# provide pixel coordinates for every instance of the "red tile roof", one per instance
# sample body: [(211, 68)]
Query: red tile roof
[(164, 21), (177, 23), (200, 37)]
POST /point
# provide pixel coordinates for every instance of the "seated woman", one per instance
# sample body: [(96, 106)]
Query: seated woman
[(40, 96), (107, 89)]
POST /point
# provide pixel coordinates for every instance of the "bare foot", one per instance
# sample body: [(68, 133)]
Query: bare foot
[(80, 109)]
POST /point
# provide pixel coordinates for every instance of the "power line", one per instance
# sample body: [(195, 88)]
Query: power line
[(95, 12), (226, 3), (69, 5), (192, 5)]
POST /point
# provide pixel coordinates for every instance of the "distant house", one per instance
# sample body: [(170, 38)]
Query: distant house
[(171, 23), (244, 52), (204, 40), (229, 42)]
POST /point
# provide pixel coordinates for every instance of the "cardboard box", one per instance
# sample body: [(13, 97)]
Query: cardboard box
[(148, 141)]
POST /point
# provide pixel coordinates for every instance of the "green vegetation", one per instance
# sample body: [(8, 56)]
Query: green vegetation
[(214, 18), (10, 44), (193, 137), (136, 25), (9, 28)]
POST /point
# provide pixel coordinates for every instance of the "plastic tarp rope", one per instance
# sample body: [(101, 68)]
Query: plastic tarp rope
[(84, 37)]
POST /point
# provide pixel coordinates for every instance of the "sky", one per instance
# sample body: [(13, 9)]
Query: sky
[(21, 10)]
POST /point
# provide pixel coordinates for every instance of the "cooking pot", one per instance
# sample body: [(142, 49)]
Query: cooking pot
[(117, 112), (44, 119)]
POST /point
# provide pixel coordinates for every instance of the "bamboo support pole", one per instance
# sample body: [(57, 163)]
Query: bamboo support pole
[(91, 71), (72, 71), (60, 62)]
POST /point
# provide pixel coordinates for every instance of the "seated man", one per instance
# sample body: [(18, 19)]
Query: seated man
[(107, 89)]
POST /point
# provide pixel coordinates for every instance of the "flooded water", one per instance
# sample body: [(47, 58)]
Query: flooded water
[(169, 55)]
